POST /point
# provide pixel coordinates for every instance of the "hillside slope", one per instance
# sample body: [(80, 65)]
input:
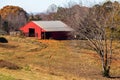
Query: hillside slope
[(52, 60)]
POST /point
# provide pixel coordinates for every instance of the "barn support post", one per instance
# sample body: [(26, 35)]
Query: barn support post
[(44, 35)]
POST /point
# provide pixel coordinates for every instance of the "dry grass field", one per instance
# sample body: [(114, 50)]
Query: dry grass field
[(32, 59)]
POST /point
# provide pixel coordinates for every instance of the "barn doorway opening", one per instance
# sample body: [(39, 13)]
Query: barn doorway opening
[(31, 32), (46, 35)]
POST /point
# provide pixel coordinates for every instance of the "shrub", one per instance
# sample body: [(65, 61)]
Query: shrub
[(27, 68), (3, 40)]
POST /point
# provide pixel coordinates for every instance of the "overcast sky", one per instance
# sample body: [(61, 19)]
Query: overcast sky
[(32, 6)]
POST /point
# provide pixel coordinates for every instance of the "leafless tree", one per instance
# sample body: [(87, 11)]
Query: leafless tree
[(15, 21), (52, 8), (93, 28), (0, 21)]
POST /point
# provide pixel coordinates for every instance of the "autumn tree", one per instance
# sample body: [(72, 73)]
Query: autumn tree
[(14, 16)]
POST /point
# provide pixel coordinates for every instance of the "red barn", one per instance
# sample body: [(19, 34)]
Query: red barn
[(46, 29)]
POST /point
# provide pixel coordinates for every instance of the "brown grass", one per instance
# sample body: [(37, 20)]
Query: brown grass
[(54, 60), (9, 65)]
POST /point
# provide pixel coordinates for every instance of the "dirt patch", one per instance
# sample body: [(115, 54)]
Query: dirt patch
[(8, 46), (9, 65)]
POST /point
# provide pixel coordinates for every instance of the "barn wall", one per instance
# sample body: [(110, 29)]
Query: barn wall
[(61, 35), (38, 30)]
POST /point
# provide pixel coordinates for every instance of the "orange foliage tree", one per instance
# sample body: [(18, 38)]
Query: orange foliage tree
[(14, 16)]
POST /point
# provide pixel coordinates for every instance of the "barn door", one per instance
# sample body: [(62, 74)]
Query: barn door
[(31, 32)]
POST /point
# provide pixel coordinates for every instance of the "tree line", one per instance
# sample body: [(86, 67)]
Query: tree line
[(74, 15), (13, 17)]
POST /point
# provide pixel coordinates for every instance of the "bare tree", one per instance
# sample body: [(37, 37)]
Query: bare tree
[(52, 8), (93, 28), (0, 21)]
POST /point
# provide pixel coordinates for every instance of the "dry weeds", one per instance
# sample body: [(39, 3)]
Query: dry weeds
[(54, 60)]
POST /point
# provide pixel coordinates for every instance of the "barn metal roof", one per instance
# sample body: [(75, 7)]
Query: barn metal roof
[(53, 26)]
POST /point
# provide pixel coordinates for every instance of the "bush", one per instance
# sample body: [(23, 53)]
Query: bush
[(3, 40), (27, 68)]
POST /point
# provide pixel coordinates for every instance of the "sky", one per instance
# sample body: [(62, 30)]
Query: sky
[(33, 6)]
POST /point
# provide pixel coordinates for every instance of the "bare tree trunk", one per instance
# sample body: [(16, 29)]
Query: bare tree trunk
[(106, 68)]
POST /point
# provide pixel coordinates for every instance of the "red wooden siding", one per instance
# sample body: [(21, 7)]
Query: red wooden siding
[(38, 30)]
